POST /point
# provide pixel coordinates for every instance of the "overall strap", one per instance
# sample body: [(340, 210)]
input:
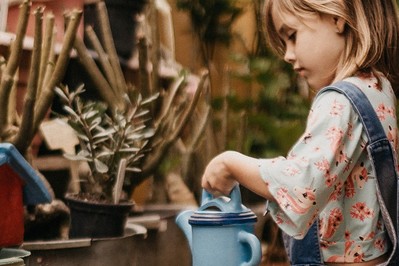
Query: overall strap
[(306, 251), (383, 159)]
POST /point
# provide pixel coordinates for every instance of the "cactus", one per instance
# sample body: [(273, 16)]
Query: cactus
[(44, 75)]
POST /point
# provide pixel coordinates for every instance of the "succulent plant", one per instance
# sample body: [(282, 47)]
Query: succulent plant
[(169, 114), (110, 142)]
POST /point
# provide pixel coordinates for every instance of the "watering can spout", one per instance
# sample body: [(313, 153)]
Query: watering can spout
[(182, 222)]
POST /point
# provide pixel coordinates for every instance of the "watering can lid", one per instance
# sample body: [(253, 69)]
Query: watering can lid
[(222, 210)]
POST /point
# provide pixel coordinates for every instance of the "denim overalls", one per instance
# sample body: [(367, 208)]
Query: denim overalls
[(307, 251)]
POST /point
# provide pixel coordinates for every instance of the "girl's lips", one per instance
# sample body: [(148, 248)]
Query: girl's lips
[(300, 71)]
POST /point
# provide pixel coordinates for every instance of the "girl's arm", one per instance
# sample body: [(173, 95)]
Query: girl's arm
[(226, 169)]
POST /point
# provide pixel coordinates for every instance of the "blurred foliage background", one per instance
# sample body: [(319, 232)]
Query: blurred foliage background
[(262, 108)]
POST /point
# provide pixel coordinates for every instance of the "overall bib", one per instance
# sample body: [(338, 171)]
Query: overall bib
[(307, 252)]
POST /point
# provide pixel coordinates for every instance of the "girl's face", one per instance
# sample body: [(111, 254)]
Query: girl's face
[(314, 45)]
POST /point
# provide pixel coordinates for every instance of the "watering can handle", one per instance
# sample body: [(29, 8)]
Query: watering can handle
[(253, 242), (235, 196)]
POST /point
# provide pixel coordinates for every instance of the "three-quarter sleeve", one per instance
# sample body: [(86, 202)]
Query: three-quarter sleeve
[(315, 170)]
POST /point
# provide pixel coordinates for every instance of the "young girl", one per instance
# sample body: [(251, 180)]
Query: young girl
[(327, 176)]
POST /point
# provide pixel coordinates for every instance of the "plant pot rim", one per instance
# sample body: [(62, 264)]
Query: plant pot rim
[(72, 197), (131, 230)]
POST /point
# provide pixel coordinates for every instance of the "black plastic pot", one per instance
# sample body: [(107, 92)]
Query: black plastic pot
[(97, 220)]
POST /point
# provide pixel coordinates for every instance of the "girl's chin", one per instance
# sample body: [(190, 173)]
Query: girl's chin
[(313, 89), (316, 86)]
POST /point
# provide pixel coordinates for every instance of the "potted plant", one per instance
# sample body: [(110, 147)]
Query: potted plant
[(111, 143), (151, 126), (169, 113)]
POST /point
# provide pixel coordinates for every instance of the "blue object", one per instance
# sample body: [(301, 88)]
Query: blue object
[(220, 232), (34, 190)]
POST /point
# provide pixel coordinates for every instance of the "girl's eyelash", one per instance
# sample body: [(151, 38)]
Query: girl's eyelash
[(292, 36)]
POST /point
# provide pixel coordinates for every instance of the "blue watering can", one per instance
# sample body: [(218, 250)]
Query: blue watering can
[(220, 232)]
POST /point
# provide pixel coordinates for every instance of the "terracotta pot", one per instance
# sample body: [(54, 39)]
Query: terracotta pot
[(97, 220)]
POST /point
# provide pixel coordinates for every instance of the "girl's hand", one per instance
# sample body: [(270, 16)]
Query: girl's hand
[(217, 177), (229, 168)]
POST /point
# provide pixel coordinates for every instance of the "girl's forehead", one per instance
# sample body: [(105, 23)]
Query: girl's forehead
[(280, 11), (285, 14), (283, 20), (284, 7), (283, 17)]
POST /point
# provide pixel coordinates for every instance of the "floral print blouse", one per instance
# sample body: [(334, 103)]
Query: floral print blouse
[(327, 174)]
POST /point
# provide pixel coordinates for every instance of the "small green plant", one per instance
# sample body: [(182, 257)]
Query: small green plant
[(110, 142)]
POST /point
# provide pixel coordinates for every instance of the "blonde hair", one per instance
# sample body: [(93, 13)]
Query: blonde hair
[(371, 32)]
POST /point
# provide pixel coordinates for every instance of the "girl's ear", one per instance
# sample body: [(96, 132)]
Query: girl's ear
[(339, 24)]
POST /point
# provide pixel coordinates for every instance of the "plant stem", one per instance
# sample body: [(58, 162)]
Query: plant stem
[(103, 87), (7, 76), (46, 50), (103, 58), (47, 95), (22, 140), (152, 162), (144, 71), (109, 47), (120, 177)]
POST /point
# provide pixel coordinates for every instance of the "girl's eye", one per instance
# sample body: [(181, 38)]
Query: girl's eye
[(292, 36)]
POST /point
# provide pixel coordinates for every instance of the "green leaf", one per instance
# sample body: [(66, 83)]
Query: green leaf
[(137, 128), (70, 111), (149, 133), (82, 136), (61, 93), (131, 149), (84, 153), (74, 157), (99, 141), (91, 114), (141, 113), (74, 96), (95, 123), (150, 99), (133, 169), (100, 166), (104, 154)]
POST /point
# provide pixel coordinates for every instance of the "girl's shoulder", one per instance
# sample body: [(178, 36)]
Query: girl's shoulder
[(382, 97), (376, 86), (372, 83), (377, 89)]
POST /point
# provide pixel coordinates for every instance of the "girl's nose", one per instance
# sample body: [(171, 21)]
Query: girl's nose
[(289, 55)]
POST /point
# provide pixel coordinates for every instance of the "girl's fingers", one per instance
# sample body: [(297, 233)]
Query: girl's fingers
[(207, 186)]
